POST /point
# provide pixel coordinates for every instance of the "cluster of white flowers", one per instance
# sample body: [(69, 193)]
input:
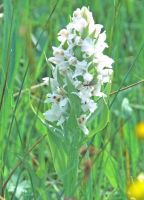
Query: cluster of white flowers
[(80, 58)]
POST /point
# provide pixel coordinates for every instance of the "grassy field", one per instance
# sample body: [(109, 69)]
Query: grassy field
[(114, 157)]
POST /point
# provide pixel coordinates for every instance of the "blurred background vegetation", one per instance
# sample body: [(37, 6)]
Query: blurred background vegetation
[(28, 30)]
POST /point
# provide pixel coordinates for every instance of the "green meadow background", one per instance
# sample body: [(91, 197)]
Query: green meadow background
[(28, 30)]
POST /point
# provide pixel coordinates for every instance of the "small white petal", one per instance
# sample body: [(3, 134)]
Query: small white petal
[(80, 69), (63, 35), (63, 102), (98, 28), (85, 130), (87, 77), (72, 61), (78, 23), (77, 13), (88, 46), (52, 115), (46, 80)]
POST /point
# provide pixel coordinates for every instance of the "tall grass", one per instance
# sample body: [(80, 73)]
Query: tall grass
[(28, 29)]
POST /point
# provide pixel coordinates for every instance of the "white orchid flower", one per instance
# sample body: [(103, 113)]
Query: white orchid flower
[(80, 58)]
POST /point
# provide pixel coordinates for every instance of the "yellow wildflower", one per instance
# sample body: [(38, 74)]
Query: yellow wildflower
[(136, 189), (140, 130)]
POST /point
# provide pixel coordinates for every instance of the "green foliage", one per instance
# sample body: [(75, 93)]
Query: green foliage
[(33, 156)]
